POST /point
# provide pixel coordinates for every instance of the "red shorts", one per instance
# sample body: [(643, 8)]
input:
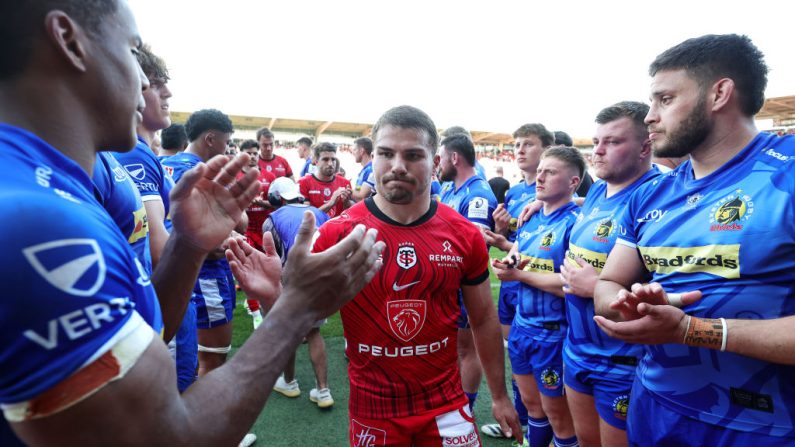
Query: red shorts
[(450, 426)]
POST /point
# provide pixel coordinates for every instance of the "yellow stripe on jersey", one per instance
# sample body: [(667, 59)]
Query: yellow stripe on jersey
[(539, 265), (718, 260), (597, 260)]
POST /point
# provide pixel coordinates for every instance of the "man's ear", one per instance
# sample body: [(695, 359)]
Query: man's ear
[(67, 38)]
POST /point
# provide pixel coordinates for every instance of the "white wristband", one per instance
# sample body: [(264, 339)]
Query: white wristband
[(675, 299), (725, 334)]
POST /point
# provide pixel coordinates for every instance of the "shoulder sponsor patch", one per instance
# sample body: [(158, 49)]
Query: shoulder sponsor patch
[(73, 266), (478, 208)]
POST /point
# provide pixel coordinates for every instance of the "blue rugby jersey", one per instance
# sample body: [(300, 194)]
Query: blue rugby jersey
[(543, 240), (72, 284), (365, 177), (152, 179), (474, 200), (515, 200), (592, 238), (731, 235), (120, 198)]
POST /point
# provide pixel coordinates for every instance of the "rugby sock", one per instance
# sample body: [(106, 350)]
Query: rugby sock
[(539, 432), (567, 442), (517, 403), (472, 398)]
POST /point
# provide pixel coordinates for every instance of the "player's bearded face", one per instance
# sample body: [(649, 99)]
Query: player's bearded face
[(399, 189), (690, 133)]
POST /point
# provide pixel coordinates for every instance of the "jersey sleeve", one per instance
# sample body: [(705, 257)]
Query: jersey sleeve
[(369, 179), (288, 171), (476, 267), (628, 218), (478, 210), (303, 186), (146, 173), (69, 294)]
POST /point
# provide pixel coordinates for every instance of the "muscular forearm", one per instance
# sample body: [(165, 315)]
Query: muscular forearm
[(488, 342), (174, 279), (605, 293), (769, 340), (328, 205)]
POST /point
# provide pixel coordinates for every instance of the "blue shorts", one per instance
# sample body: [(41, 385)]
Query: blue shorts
[(214, 297), (506, 305), (650, 423), (543, 359), (186, 354), (611, 394)]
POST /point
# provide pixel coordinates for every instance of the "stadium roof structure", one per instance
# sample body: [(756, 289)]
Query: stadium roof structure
[(781, 110)]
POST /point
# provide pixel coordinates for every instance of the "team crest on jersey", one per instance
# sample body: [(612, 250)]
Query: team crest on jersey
[(119, 174), (169, 170), (693, 200), (73, 266), (326, 192), (136, 171), (366, 436), (406, 317), (406, 257), (731, 212), (550, 378), (269, 168), (620, 406), (604, 230), (548, 240)]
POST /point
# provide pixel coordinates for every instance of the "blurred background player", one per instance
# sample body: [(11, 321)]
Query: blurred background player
[(283, 224), (268, 161), (305, 152), (325, 189), (365, 182), (564, 139), (499, 186), (173, 140)]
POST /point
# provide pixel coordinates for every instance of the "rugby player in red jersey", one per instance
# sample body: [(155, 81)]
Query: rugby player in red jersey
[(401, 329), (324, 189)]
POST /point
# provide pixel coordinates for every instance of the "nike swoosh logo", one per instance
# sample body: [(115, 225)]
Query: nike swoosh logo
[(398, 288)]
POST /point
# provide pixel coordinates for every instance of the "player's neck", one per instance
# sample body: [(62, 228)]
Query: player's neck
[(529, 177), (552, 206), (616, 187), (465, 173), (406, 213), (28, 103), (365, 160), (721, 145), (267, 159), (202, 152), (168, 152), (323, 178), (147, 135)]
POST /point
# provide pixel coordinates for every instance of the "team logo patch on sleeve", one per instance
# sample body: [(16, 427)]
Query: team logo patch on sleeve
[(73, 266), (478, 208), (136, 171), (406, 317)]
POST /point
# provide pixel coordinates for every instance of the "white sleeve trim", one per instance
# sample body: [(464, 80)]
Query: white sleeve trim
[(626, 243)]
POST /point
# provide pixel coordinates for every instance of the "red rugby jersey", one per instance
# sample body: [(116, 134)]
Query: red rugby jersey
[(401, 328), (318, 192), (257, 213), (278, 166)]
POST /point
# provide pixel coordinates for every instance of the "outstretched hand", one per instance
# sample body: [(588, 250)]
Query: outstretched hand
[(208, 201), (258, 273), (628, 301), (656, 324), (323, 282)]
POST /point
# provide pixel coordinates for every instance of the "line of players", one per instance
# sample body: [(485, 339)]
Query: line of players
[(98, 303)]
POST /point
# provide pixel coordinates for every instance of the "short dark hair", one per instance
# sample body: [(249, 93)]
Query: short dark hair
[(569, 155), (323, 147), (408, 117), (207, 119), (462, 145), (537, 129), (264, 132), (455, 130), (154, 66), (21, 21), (173, 137), (711, 57), (365, 143), (248, 144), (562, 138), (635, 111), (303, 140)]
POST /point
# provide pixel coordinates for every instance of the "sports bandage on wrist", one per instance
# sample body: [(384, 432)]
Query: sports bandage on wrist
[(706, 333), (213, 350)]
